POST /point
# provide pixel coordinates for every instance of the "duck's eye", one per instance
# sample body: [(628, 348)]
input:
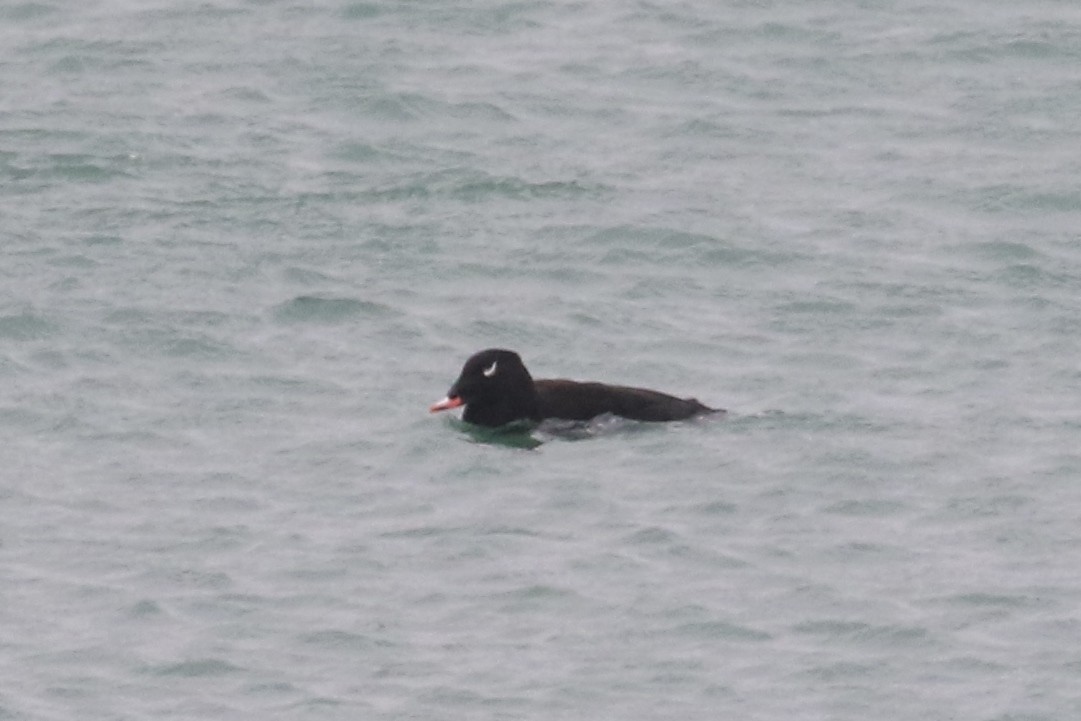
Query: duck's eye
[(490, 370)]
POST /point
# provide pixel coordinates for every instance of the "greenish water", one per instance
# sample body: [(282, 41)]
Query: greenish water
[(245, 244)]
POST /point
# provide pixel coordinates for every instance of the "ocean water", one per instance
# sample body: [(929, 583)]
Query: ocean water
[(245, 244)]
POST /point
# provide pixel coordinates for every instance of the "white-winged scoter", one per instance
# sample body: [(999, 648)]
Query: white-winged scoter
[(496, 389)]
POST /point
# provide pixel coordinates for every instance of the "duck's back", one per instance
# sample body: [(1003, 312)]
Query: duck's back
[(576, 401)]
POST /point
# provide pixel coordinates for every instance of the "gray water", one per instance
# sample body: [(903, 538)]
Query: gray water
[(245, 244)]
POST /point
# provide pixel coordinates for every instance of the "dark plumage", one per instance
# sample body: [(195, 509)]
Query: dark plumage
[(495, 388)]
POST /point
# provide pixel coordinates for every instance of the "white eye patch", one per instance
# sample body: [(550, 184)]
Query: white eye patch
[(490, 370)]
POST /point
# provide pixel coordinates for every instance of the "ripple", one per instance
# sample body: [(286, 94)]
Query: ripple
[(362, 10), (845, 671), (862, 632), (315, 309), (993, 600), (26, 11), (653, 536), (196, 668), (873, 507), (26, 326), (539, 592), (341, 640), (474, 187), (144, 609), (721, 630)]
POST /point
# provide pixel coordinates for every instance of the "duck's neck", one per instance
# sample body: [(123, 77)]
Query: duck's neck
[(521, 405)]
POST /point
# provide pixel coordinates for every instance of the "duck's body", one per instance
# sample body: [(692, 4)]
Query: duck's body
[(496, 389)]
